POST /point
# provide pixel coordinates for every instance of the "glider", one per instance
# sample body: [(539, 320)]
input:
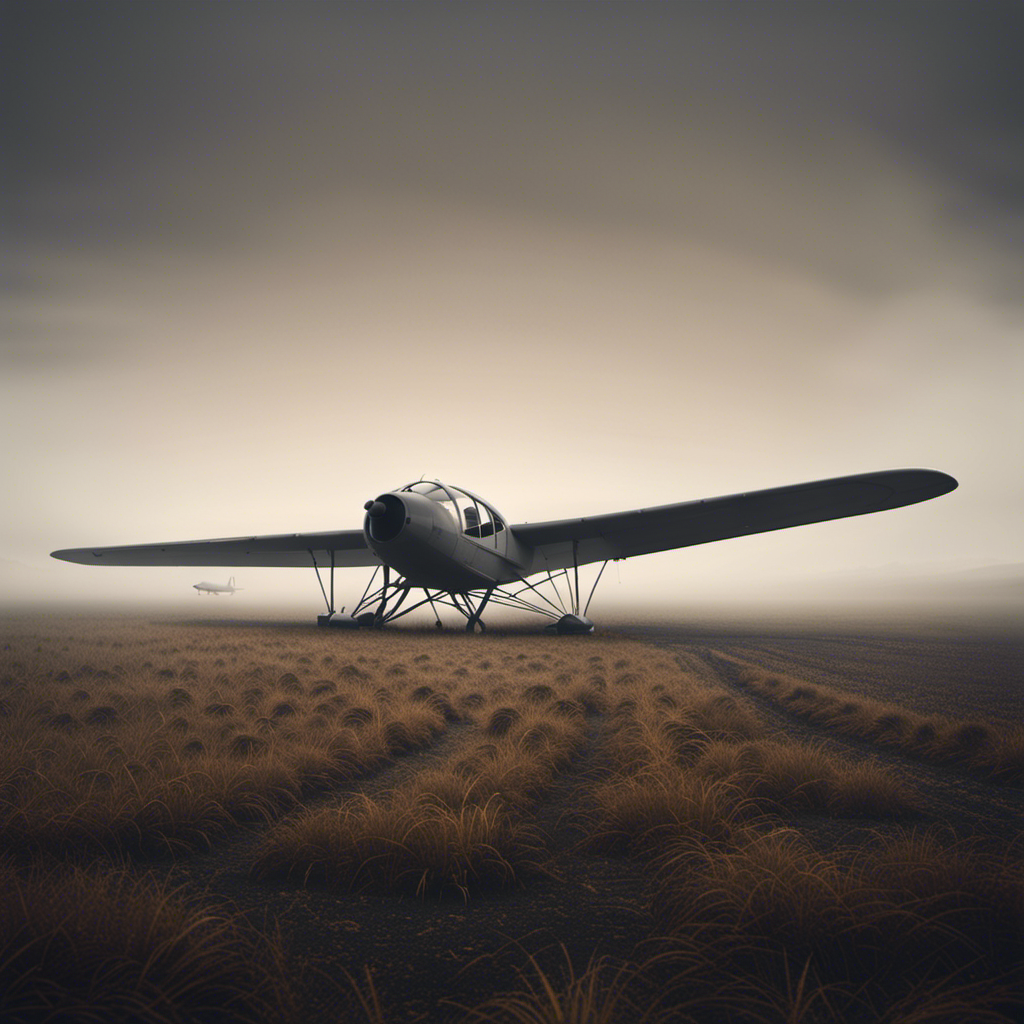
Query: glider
[(461, 553)]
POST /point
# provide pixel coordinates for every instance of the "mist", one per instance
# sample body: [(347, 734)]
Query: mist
[(266, 261)]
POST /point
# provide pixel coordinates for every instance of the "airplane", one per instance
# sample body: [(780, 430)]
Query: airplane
[(216, 588), (462, 553)]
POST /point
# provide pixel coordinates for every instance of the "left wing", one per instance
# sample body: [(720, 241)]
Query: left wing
[(287, 549), (624, 534)]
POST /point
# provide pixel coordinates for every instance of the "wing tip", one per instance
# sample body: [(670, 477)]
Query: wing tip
[(936, 482), (72, 554)]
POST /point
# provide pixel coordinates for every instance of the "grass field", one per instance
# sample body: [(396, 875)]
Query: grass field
[(233, 822)]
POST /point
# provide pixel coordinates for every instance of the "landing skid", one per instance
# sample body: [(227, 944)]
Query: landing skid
[(571, 625), (389, 601)]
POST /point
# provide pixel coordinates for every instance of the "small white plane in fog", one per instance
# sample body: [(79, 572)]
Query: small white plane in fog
[(216, 588), (461, 552)]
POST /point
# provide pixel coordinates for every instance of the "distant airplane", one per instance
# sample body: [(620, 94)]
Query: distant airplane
[(457, 549), (216, 588)]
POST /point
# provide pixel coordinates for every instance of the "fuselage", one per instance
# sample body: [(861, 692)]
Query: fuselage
[(444, 538), (215, 588)]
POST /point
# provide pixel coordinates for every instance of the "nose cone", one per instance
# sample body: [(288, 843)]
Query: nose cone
[(385, 517)]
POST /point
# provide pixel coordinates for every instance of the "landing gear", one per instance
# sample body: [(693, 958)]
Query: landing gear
[(474, 617), (381, 605), (337, 621), (571, 625)]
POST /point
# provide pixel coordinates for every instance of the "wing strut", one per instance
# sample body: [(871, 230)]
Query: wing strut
[(576, 573), (378, 618), (604, 565), (316, 569)]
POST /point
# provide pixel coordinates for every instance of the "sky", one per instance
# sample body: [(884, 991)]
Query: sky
[(263, 261)]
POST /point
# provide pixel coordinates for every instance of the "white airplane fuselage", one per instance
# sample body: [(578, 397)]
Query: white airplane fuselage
[(215, 588)]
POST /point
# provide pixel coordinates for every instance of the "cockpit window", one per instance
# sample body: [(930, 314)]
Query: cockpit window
[(444, 496), (482, 521), (475, 517), (429, 489)]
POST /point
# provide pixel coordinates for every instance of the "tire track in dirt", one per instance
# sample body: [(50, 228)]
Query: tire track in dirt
[(317, 925), (962, 677), (594, 905), (223, 869), (615, 882), (949, 798), (589, 906)]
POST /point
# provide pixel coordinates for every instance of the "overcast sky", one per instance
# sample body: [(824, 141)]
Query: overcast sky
[(263, 261)]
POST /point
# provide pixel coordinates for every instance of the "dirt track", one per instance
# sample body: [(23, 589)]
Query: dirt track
[(424, 952)]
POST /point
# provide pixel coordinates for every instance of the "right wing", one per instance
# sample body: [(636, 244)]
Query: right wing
[(561, 543), (287, 549)]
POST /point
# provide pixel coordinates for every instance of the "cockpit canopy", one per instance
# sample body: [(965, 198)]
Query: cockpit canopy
[(474, 516)]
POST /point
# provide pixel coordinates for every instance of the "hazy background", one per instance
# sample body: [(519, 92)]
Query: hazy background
[(265, 260)]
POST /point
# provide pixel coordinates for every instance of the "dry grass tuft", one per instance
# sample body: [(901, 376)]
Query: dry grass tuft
[(501, 721), (865, 929), (289, 683), (218, 709), (420, 846), (244, 745), (539, 693), (867, 791), (568, 709), (102, 715), (640, 814), (997, 753), (602, 994), (93, 946), (357, 716)]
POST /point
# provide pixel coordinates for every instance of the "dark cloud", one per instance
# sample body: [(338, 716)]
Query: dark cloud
[(28, 345), (183, 122)]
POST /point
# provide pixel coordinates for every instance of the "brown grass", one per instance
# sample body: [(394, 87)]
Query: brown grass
[(866, 928), (97, 946), (692, 760), (996, 752), (637, 815), (140, 765), (421, 847), (164, 739), (794, 777), (603, 993), (462, 827)]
